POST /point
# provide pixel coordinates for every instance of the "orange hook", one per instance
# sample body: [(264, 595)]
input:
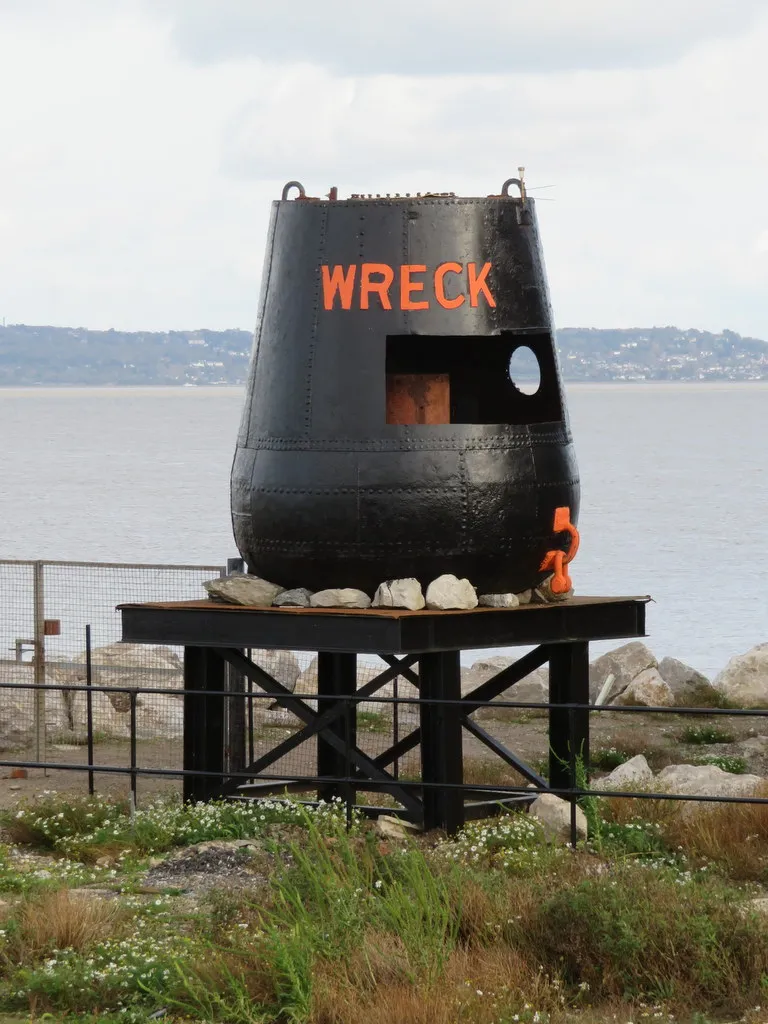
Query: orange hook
[(557, 560)]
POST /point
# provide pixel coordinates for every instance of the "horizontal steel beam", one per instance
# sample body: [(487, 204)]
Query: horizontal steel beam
[(199, 624)]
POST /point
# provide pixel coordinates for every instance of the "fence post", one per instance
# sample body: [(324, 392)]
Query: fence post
[(39, 671), (234, 706), (89, 705), (134, 763)]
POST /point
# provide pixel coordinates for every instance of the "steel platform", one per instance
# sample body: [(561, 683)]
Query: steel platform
[(215, 637)]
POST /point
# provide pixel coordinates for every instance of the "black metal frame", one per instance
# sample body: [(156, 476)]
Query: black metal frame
[(216, 636), (377, 631)]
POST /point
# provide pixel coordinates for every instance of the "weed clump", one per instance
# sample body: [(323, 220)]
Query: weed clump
[(89, 828), (640, 934), (705, 734), (608, 758), (732, 764)]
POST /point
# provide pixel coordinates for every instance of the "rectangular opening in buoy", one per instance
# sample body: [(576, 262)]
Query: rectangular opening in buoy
[(495, 379)]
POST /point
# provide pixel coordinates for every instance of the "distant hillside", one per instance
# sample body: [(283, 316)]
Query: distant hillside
[(75, 356), (660, 353), (62, 355)]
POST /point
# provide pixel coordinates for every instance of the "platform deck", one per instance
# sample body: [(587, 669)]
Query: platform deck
[(208, 623)]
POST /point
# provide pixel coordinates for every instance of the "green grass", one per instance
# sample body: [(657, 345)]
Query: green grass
[(86, 828), (734, 765), (705, 734), (495, 926), (607, 758), (373, 721)]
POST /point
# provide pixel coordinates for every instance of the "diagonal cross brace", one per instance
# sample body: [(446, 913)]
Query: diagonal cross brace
[(398, 749), (321, 721), (403, 667), (506, 755), (503, 680), (366, 764), (492, 688)]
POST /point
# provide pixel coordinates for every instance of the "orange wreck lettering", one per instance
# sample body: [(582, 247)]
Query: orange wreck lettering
[(337, 281), (380, 287), (407, 286), (442, 270), (478, 284), (414, 293)]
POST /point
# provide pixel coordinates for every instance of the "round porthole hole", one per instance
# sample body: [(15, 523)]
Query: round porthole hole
[(524, 370)]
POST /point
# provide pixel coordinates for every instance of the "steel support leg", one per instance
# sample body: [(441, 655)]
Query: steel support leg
[(203, 722), (441, 736), (235, 721), (337, 677), (568, 729)]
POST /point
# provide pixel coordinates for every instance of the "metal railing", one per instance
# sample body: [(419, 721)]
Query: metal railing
[(286, 778)]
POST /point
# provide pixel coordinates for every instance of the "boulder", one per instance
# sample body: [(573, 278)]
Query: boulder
[(297, 598), (159, 717), (240, 588), (534, 689), (17, 717), (480, 671), (524, 597), (543, 594), (448, 592), (744, 680), (307, 681), (555, 817), (119, 665), (122, 665), (346, 597), (706, 780), (754, 745), (687, 685), (633, 774), (399, 594), (498, 601), (389, 827), (283, 666), (624, 664), (648, 689), (282, 718)]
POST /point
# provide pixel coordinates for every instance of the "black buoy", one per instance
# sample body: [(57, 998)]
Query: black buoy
[(384, 432)]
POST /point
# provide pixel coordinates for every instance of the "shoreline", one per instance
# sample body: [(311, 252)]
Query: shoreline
[(574, 385)]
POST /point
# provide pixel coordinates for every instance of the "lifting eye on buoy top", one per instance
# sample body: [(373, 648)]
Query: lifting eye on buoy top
[(520, 182), (293, 184)]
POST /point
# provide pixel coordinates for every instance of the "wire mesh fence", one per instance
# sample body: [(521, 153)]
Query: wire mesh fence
[(46, 607), (44, 713)]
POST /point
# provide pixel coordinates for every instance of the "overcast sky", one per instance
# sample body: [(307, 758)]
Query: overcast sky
[(143, 141)]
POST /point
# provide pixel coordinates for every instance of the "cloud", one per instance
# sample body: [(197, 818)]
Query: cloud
[(427, 37), (135, 184)]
